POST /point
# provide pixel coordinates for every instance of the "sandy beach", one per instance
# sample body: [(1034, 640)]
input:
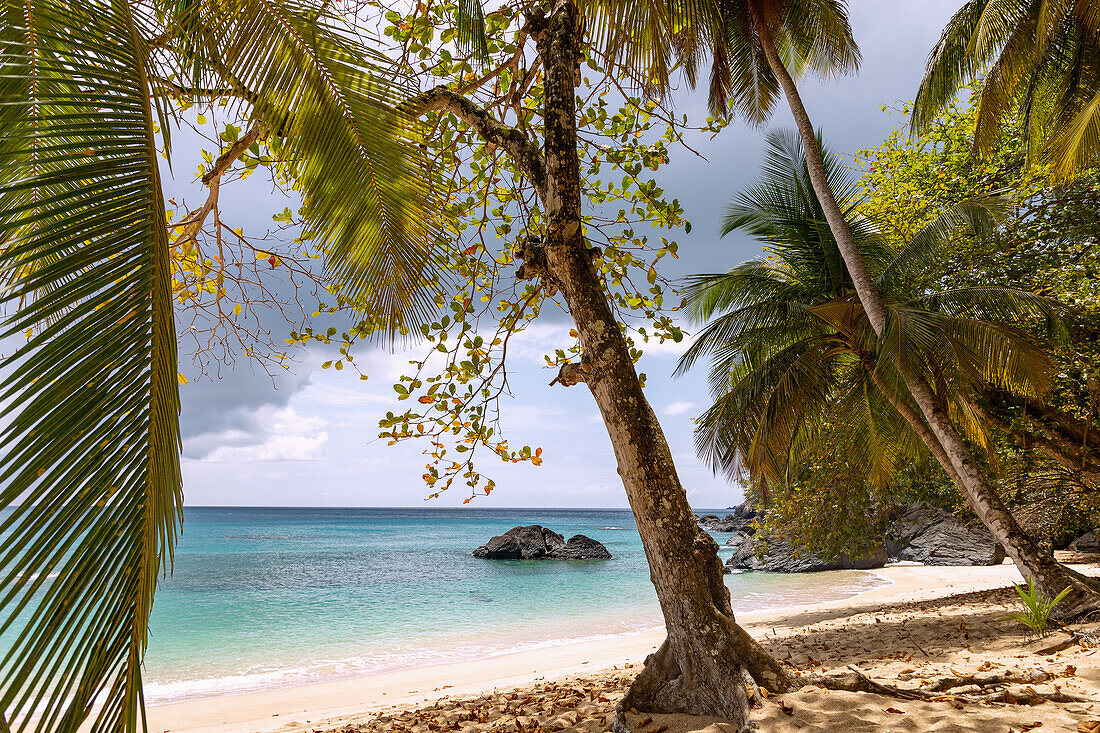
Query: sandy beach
[(928, 623)]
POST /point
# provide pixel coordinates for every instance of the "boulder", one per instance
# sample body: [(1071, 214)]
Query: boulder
[(535, 542), (1086, 543), (739, 521), (740, 536), (781, 557), (935, 537), (521, 543), (580, 547)]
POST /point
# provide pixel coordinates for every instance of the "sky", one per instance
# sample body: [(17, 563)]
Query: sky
[(309, 437)]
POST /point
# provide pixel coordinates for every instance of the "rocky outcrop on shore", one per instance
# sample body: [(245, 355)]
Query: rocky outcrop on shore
[(780, 557), (1089, 543), (922, 534), (935, 537), (740, 520), (535, 542)]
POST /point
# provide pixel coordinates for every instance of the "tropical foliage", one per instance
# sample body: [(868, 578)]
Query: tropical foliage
[(493, 210), (794, 359), (89, 477), (1046, 243), (1039, 63)]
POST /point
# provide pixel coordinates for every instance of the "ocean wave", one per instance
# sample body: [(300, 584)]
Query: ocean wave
[(611, 528), (263, 677)]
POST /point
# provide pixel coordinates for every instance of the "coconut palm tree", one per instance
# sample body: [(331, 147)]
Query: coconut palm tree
[(1039, 60), (90, 489), (791, 348), (766, 44)]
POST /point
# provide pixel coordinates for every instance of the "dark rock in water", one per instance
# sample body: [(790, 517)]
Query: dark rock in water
[(744, 556), (740, 536), (1086, 543), (580, 547), (935, 537), (521, 543), (780, 557), (740, 521), (535, 542)]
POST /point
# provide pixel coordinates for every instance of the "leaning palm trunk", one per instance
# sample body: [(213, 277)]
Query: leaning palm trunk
[(936, 428), (990, 509)]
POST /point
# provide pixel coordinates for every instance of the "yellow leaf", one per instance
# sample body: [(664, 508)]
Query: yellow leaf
[(237, 309), (183, 379)]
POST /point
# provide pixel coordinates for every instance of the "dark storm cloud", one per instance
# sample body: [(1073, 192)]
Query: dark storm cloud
[(231, 410)]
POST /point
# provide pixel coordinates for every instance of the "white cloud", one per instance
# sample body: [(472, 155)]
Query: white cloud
[(287, 436), (678, 408), (539, 340)]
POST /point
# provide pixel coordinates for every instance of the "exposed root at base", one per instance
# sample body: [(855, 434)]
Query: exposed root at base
[(1005, 688)]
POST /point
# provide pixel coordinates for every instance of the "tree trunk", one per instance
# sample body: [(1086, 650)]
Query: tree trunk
[(1048, 574), (1012, 538), (701, 666)]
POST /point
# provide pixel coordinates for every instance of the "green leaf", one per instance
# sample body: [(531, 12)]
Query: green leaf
[(90, 473), (332, 104)]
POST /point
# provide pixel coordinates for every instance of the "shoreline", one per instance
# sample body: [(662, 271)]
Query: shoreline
[(509, 634), (331, 703)]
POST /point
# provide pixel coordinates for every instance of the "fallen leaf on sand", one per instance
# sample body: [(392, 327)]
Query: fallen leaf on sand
[(1088, 726), (786, 708), (894, 710)]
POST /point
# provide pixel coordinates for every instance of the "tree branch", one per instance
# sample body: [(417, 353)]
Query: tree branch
[(212, 178), (526, 154)]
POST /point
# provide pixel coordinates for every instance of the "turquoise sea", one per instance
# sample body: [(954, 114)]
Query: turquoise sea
[(272, 597)]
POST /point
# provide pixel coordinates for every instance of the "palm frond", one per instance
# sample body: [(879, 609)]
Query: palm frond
[(1010, 73), (332, 110), (1001, 305), (968, 43), (1038, 60), (760, 416), (819, 32), (783, 212), (470, 24), (90, 467), (1077, 145)]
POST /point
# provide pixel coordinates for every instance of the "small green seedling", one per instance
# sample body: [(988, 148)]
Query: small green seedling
[(1037, 609)]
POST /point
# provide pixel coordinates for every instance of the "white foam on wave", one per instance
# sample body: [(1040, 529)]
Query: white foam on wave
[(35, 576), (270, 675), (158, 692)]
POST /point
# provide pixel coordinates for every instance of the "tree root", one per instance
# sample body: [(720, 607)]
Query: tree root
[(947, 683), (859, 682), (939, 691)]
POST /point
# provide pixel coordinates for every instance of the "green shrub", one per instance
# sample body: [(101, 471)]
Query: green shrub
[(1037, 609)]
